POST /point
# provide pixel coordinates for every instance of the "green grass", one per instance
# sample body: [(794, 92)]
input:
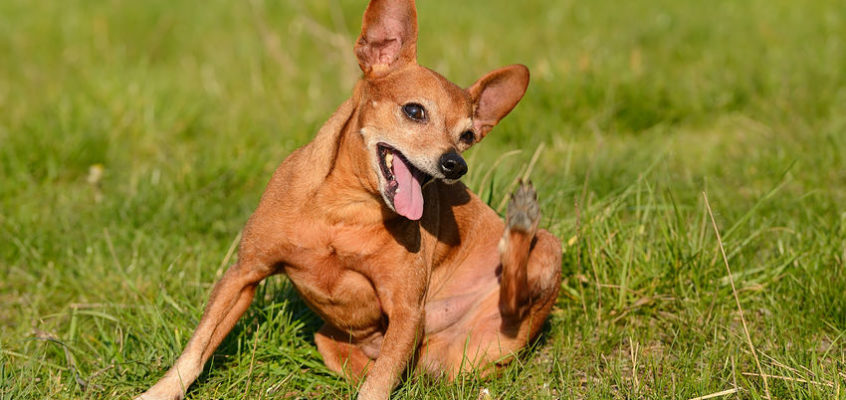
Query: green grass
[(639, 107)]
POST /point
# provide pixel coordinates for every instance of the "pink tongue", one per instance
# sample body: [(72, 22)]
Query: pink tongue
[(408, 200)]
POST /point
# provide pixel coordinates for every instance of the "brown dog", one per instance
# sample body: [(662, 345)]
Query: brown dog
[(405, 265)]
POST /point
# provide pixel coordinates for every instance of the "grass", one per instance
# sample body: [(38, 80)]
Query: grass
[(638, 109)]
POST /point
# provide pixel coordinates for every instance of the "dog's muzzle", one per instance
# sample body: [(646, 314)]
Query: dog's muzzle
[(452, 165)]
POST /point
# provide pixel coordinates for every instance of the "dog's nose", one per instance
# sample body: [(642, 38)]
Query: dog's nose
[(452, 165)]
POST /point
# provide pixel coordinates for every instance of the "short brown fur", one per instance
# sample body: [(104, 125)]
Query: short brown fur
[(457, 289)]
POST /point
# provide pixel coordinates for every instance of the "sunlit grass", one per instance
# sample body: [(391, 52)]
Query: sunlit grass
[(635, 109)]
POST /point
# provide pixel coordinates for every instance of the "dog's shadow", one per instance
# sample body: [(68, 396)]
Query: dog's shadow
[(276, 303)]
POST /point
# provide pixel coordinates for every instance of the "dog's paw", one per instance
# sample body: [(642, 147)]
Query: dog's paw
[(160, 393), (523, 211)]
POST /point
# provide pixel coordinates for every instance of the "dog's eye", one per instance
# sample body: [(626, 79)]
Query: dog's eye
[(415, 112), (467, 137)]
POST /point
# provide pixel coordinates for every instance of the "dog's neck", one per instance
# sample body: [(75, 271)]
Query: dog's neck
[(351, 171), (346, 187)]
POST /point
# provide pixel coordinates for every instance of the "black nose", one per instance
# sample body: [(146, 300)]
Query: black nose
[(452, 165)]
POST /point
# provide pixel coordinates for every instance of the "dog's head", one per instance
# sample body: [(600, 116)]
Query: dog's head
[(415, 123)]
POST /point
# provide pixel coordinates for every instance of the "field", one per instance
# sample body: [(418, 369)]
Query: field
[(137, 136)]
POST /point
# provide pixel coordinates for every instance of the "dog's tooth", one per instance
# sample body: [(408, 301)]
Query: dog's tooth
[(389, 160)]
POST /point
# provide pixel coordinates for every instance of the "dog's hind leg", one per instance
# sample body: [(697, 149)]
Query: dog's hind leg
[(229, 299), (531, 261), (340, 354)]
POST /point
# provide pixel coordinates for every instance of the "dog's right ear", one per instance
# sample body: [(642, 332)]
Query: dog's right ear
[(388, 37)]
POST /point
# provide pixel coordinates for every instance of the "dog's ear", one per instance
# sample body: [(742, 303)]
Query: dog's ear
[(495, 94), (388, 37)]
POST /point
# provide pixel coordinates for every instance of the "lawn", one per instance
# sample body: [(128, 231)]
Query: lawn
[(137, 136)]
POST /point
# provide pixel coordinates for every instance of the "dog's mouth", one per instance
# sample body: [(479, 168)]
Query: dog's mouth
[(403, 182)]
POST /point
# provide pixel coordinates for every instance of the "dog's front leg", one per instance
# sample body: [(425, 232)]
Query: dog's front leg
[(229, 299), (403, 304)]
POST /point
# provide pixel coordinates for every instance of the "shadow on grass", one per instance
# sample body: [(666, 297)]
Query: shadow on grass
[(275, 296)]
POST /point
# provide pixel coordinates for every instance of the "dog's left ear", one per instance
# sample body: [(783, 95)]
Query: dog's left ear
[(388, 37), (495, 94)]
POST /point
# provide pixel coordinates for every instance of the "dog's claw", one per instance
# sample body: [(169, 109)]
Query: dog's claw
[(523, 211)]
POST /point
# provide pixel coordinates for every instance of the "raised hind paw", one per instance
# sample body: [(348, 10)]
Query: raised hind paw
[(521, 225), (523, 212)]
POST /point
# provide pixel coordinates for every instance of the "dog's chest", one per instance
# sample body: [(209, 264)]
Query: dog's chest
[(336, 269), (319, 244), (335, 246)]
